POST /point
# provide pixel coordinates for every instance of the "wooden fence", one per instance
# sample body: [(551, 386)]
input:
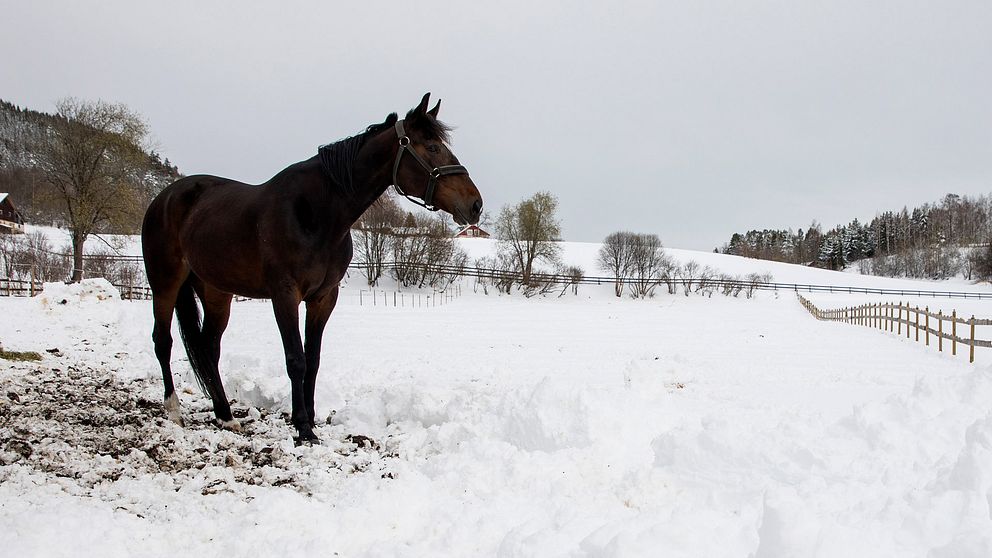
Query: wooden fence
[(19, 287), (918, 323)]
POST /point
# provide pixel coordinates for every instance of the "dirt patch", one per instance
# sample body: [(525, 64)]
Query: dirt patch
[(86, 426), (19, 355)]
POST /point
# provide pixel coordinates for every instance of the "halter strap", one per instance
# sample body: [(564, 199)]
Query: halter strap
[(433, 173)]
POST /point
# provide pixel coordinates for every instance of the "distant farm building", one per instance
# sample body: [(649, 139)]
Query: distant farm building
[(472, 231), (11, 220)]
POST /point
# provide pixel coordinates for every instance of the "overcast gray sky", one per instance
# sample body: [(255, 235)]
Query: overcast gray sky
[(691, 120)]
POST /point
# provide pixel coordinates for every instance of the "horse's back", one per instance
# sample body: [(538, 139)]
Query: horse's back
[(177, 210)]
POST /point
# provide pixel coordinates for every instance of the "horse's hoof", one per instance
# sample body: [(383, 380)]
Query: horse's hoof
[(172, 409), (233, 425), (311, 441), (306, 437)]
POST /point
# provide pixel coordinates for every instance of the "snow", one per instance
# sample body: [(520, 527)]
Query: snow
[(502, 426)]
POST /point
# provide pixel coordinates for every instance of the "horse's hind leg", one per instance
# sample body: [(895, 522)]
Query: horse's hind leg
[(163, 304), (216, 314)]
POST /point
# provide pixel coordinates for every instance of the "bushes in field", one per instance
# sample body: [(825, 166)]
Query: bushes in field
[(416, 251)]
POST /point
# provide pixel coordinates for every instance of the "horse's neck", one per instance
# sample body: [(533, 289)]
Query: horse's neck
[(372, 175)]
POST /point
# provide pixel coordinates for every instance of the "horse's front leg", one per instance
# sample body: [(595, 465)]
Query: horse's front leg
[(287, 310), (318, 311)]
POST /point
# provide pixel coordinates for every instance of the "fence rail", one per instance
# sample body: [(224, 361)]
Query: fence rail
[(890, 317)]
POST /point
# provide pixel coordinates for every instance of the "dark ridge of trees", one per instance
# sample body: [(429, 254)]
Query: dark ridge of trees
[(923, 242)]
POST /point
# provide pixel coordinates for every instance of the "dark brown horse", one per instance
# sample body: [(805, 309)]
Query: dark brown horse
[(288, 240)]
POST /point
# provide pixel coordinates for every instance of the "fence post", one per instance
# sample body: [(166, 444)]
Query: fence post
[(971, 344), (917, 324), (928, 326), (899, 320), (940, 331), (954, 332)]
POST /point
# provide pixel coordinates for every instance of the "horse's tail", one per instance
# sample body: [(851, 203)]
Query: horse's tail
[(197, 348)]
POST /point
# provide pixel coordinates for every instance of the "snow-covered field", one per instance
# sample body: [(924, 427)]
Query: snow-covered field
[(503, 426)]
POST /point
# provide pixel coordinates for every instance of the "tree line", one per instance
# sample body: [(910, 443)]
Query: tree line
[(420, 251), (933, 241)]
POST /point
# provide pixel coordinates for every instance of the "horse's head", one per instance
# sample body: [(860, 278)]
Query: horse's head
[(426, 168)]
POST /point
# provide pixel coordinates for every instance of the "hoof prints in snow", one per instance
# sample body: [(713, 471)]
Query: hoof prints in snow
[(85, 427)]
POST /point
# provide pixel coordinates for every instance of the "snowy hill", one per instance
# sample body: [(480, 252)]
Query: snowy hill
[(583, 254)]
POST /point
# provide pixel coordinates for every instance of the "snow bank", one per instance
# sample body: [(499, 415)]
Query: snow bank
[(77, 296)]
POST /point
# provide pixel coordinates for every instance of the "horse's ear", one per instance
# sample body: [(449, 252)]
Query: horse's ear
[(422, 107), (433, 111), (391, 119)]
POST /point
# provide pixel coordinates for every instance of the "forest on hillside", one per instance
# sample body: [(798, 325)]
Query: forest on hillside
[(933, 241), (23, 134)]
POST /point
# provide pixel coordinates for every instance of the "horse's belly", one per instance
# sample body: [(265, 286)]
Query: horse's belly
[(231, 275)]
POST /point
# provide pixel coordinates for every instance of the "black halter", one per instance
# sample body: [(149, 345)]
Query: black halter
[(433, 173)]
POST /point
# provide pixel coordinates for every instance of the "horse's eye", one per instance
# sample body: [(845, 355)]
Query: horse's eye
[(433, 147)]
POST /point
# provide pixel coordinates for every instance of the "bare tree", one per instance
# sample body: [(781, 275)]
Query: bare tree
[(495, 272), (575, 276), (753, 281), (528, 232), (648, 265), (10, 246), (687, 274), (426, 255), (615, 255), (706, 281), (981, 261), (372, 233), (95, 164)]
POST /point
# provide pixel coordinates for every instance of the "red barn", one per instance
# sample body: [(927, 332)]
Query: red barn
[(472, 231)]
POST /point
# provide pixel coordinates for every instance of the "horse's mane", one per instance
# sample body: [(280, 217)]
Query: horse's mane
[(338, 158)]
